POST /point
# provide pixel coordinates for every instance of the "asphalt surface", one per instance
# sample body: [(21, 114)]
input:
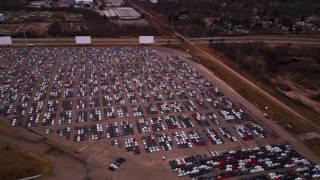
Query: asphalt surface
[(69, 41)]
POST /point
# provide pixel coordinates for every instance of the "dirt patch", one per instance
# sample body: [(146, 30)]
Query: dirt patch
[(309, 136), (19, 164), (316, 97), (313, 144)]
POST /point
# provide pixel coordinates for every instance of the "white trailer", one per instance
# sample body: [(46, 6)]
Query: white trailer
[(5, 41), (146, 39), (83, 40)]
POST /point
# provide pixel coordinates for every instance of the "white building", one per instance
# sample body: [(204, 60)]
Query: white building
[(127, 13), (154, 1), (38, 4), (123, 13), (110, 13)]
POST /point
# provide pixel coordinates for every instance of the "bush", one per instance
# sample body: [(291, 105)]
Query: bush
[(283, 87), (316, 97)]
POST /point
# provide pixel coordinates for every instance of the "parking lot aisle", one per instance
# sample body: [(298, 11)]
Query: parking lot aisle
[(18, 69)]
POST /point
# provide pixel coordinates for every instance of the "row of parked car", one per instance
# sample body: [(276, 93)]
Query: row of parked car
[(290, 174), (117, 99), (116, 164), (111, 112), (309, 172), (246, 161), (94, 102), (151, 124)]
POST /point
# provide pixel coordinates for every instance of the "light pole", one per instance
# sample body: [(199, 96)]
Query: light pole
[(25, 37)]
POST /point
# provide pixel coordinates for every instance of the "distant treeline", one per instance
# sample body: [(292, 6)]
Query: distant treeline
[(188, 16), (97, 24)]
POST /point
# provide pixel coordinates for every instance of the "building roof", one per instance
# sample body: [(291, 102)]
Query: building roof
[(127, 13), (115, 1), (84, 1), (109, 13), (64, 3)]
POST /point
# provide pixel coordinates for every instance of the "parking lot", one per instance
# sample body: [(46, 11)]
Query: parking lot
[(247, 161), (138, 99)]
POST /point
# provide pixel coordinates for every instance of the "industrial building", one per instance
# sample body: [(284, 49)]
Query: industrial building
[(127, 13), (110, 13), (39, 4), (123, 13)]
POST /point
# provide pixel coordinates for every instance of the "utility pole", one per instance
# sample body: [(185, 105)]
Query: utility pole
[(263, 69), (238, 55), (25, 37)]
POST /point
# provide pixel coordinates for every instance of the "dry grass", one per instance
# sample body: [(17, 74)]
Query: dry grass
[(16, 163), (175, 46), (314, 145), (18, 132)]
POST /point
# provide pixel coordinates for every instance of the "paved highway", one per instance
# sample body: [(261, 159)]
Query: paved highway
[(162, 41)]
